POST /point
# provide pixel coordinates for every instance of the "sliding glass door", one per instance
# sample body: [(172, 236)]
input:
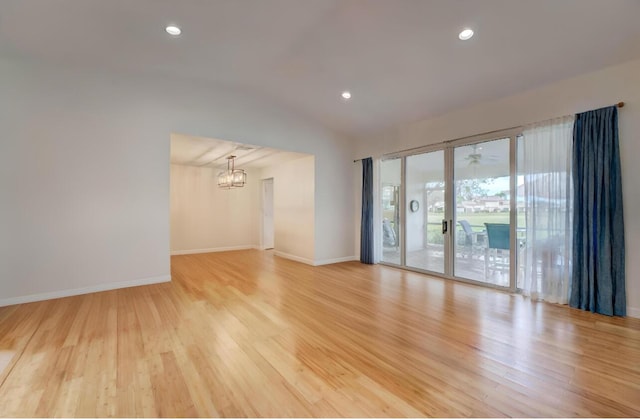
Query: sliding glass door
[(482, 219), (425, 210), (450, 210), (390, 189)]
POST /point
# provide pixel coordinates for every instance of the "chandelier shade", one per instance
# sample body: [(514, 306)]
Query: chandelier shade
[(232, 177)]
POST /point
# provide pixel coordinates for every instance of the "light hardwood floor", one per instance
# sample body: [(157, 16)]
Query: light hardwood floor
[(249, 334)]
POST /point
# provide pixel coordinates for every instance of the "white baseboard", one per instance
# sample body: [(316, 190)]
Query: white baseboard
[(336, 260), (294, 257), (314, 262), (86, 290), (633, 312), (212, 250)]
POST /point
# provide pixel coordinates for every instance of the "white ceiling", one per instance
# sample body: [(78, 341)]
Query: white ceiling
[(209, 152), (401, 59)]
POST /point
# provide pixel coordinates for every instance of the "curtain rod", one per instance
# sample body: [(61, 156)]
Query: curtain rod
[(619, 105)]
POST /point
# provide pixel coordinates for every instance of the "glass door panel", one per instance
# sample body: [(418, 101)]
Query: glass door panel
[(425, 210), (522, 213), (391, 182), (482, 216)]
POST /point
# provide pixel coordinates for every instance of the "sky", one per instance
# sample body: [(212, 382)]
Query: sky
[(501, 184)]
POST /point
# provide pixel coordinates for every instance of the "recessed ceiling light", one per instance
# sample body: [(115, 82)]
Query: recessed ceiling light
[(173, 30), (346, 95), (465, 34)]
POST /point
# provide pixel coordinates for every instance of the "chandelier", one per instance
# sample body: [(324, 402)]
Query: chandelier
[(232, 177)]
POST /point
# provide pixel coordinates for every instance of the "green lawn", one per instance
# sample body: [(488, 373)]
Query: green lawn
[(476, 219)]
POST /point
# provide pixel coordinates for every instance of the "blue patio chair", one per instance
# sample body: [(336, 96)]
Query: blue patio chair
[(498, 246)]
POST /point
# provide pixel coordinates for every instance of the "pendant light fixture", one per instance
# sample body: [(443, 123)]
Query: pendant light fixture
[(232, 177)]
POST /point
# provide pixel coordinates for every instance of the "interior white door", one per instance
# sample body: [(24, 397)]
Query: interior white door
[(267, 214)]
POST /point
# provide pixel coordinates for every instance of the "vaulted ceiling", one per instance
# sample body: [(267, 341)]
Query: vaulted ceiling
[(401, 59)]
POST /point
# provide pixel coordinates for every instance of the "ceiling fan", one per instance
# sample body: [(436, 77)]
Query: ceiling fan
[(476, 157)]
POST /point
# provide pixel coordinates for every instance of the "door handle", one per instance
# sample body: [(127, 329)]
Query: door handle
[(444, 227)]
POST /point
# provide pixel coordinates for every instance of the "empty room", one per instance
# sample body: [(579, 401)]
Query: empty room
[(319, 208)]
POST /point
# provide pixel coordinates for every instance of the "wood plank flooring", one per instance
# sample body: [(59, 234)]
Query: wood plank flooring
[(249, 334)]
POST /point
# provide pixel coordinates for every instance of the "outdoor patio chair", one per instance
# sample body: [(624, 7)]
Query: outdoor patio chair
[(388, 234), (496, 256), (471, 238)]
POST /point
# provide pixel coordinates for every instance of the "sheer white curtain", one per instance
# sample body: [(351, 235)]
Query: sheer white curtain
[(546, 198)]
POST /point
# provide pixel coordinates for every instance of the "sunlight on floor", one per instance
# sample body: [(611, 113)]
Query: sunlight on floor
[(5, 359)]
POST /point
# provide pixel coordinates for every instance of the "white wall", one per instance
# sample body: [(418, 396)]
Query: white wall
[(267, 228), (84, 172), (589, 91), (294, 208), (205, 218)]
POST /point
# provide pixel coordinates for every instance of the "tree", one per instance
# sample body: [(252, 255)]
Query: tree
[(469, 189)]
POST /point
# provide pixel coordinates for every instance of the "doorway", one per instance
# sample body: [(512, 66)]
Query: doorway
[(268, 235)]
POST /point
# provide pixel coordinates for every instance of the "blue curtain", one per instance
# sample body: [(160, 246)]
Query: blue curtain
[(598, 282), (366, 227)]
